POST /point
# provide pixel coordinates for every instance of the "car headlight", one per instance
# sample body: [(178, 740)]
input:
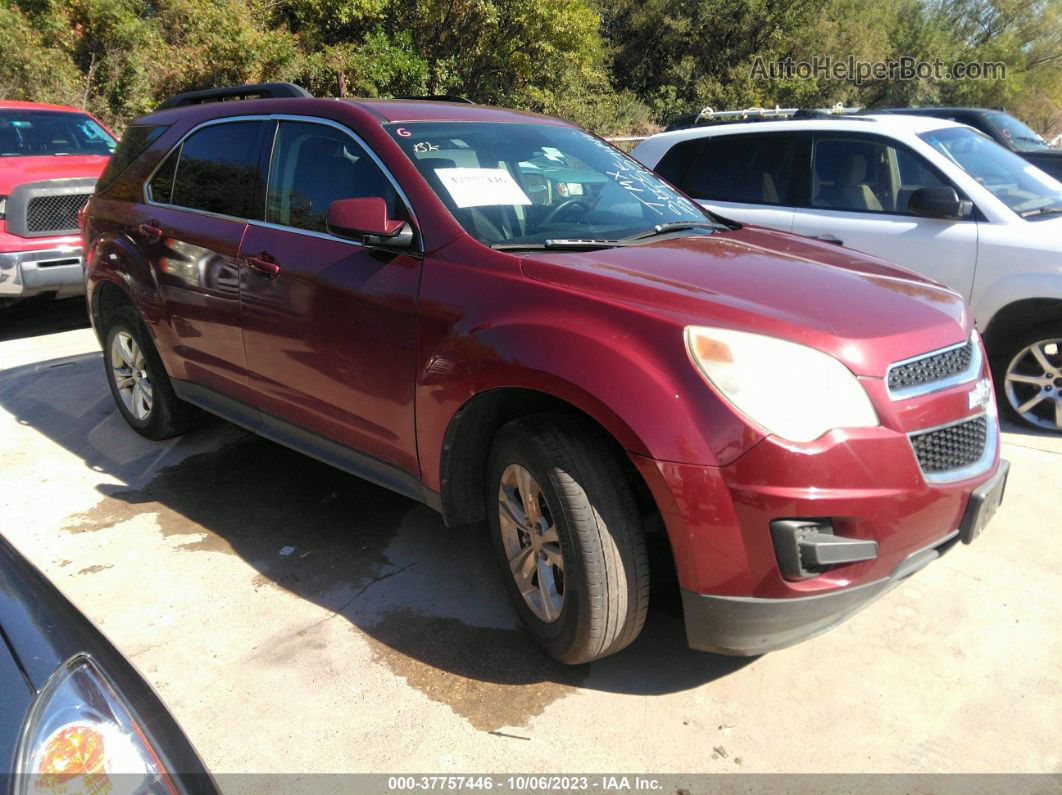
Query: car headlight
[(790, 390), (81, 737)]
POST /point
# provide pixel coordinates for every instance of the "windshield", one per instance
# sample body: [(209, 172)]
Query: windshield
[(1022, 187), (1021, 137), (32, 133), (512, 184)]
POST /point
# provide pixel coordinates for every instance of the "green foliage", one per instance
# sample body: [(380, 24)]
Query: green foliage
[(620, 67)]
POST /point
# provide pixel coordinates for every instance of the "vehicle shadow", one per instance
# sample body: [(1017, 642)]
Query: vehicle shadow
[(429, 599), (33, 317)]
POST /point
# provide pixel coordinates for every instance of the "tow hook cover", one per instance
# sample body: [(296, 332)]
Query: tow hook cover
[(806, 547)]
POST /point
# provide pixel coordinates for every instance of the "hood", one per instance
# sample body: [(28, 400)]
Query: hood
[(17, 170), (860, 309), (1049, 160)]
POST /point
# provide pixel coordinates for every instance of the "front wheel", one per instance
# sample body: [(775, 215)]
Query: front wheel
[(568, 537), (1028, 376)]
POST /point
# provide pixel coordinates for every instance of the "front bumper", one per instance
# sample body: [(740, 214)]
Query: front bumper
[(865, 484), (27, 273), (747, 626)]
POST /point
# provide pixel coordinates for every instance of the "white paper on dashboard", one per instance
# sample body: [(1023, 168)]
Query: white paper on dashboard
[(477, 187)]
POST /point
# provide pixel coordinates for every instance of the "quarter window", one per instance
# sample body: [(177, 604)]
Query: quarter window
[(314, 165), (218, 170)]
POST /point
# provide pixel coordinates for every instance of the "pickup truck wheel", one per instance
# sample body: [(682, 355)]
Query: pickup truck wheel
[(568, 537), (139, 383), (1028, 376)]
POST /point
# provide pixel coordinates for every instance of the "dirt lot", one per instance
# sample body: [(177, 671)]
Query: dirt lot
[(383, 642)]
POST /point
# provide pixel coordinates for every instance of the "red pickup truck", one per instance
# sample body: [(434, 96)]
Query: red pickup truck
[(50, 158)]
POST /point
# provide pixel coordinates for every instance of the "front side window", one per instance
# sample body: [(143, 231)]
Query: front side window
[(34, 133), (868, 175), (513, 184), (751, 169), (217, 170), (314, 165), (1025, 189)]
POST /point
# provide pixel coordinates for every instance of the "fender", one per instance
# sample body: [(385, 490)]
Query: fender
[(625, 387), (993, 297)]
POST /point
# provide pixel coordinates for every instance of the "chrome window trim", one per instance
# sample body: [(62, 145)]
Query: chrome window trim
[(267, 224), (978, 467), (971, 373)]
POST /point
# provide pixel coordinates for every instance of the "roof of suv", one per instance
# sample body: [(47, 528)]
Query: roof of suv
[(384, 110), (870, 123)]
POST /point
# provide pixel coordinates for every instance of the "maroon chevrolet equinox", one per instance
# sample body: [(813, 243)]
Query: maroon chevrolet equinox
[(506, 318)]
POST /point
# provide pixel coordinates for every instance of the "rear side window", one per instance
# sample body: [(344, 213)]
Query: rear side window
[(217, 169), (314, 165), (133, 144), (751, 169), (160, 189)]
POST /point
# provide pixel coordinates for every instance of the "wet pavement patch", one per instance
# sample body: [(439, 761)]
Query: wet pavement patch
[(491, 677), (255, 499)]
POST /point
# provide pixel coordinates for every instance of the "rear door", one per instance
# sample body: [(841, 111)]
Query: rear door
[(859, 191), (199, 199), (750, 177), (330, 326)]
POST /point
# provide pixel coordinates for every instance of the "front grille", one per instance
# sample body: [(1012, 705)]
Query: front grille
[(931, 368), (951, 448), (56, 213)]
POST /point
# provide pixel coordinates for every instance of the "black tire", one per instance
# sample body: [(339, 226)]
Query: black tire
[(169, 415), (1004, 353), (605, 572)]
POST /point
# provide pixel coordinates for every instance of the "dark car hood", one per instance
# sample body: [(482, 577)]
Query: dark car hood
[(1049, 160), (16, 699), (862, 310)]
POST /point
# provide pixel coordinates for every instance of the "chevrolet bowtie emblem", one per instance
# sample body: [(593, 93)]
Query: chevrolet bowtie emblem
[(978, 397)]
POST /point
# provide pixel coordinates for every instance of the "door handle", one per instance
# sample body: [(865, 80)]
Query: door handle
[(263, 265), (828, 238), (150, 229)]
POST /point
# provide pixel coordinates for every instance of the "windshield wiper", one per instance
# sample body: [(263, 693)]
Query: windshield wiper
[(559, 243), (1050, 209), (674, 226)]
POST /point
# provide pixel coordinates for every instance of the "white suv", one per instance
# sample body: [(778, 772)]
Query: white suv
[(937, 197)]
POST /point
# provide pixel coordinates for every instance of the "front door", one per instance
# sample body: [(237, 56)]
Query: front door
[(329, 325), (859, 192)]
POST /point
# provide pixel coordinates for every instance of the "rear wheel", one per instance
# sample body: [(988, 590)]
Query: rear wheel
[(568, 537), (138, 381), (1028, 376)]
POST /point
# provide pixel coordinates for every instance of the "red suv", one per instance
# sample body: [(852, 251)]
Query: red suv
[(51, 157), (504, 317)]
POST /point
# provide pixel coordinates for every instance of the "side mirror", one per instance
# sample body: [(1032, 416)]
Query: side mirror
[(939, 202), (361, 218)]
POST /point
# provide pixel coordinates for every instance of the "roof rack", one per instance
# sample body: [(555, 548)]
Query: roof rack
[(252, 91), (708, 116), (440, 98)]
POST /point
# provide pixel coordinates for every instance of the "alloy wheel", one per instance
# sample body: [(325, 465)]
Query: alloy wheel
[(130, 375), (531, 542), (1033, 384)]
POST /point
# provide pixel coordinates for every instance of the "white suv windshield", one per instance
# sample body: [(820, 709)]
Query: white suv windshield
[(1022, 187), (510, 185)]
